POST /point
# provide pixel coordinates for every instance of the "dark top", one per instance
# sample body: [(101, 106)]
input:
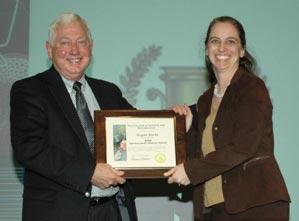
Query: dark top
[(243, 137)]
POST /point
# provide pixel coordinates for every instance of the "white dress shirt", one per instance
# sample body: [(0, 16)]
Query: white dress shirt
[(93, 105)]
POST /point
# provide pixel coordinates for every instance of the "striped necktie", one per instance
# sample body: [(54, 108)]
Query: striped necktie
[(84, 115)]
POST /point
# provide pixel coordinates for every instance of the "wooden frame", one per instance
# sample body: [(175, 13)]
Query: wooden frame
[(140, 172)]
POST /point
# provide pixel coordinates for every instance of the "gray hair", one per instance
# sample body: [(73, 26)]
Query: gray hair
[(64, 19)]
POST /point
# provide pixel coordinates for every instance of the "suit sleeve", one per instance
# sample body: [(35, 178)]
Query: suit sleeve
[(109, 96), (123, 103)]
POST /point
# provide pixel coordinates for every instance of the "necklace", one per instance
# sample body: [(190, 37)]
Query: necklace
[(217, 93)]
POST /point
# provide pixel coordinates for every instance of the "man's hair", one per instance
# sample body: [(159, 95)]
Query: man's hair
[(64, 19)]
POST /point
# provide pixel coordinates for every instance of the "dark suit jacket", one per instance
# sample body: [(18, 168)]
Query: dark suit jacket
[(48, 140), (243, 138)]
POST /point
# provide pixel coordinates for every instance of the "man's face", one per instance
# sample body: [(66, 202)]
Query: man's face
[(71, 50)]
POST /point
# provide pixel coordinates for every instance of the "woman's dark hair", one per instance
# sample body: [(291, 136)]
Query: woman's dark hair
[(247, 61)]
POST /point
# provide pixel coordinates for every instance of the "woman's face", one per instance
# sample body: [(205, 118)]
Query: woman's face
[(224, 47)]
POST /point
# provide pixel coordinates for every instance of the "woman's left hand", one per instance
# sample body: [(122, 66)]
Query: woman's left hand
[(177, 175)]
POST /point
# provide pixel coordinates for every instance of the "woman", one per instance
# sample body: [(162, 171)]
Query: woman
[(232, 168)]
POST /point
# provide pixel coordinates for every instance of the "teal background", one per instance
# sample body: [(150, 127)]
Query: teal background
[(121, 29)]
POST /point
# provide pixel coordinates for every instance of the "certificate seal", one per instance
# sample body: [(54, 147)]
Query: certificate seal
[(160, 158)]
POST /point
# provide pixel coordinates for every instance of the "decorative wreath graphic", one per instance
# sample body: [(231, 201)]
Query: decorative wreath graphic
[(134, 74)]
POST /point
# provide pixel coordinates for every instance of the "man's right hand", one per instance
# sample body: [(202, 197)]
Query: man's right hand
[(105, 176)]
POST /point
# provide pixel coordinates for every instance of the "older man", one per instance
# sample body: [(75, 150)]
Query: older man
[(52, 135)]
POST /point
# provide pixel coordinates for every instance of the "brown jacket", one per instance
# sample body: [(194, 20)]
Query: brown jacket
[(243, 137)]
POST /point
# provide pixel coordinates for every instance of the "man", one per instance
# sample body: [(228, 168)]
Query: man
[(51, 140)]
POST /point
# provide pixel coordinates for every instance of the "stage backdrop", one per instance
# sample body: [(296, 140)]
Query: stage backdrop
[(161, 43)]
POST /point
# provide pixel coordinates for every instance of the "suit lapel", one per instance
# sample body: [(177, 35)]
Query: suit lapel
[(96, 89), (62, 97)]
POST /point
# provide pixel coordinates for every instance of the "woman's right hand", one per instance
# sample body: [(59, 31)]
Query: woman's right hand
[(184, 110)]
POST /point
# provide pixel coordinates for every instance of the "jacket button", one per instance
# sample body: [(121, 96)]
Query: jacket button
[(215, 128), (224, 181), (87, 194)]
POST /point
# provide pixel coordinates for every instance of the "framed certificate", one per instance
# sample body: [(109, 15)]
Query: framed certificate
[(144, 144)]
